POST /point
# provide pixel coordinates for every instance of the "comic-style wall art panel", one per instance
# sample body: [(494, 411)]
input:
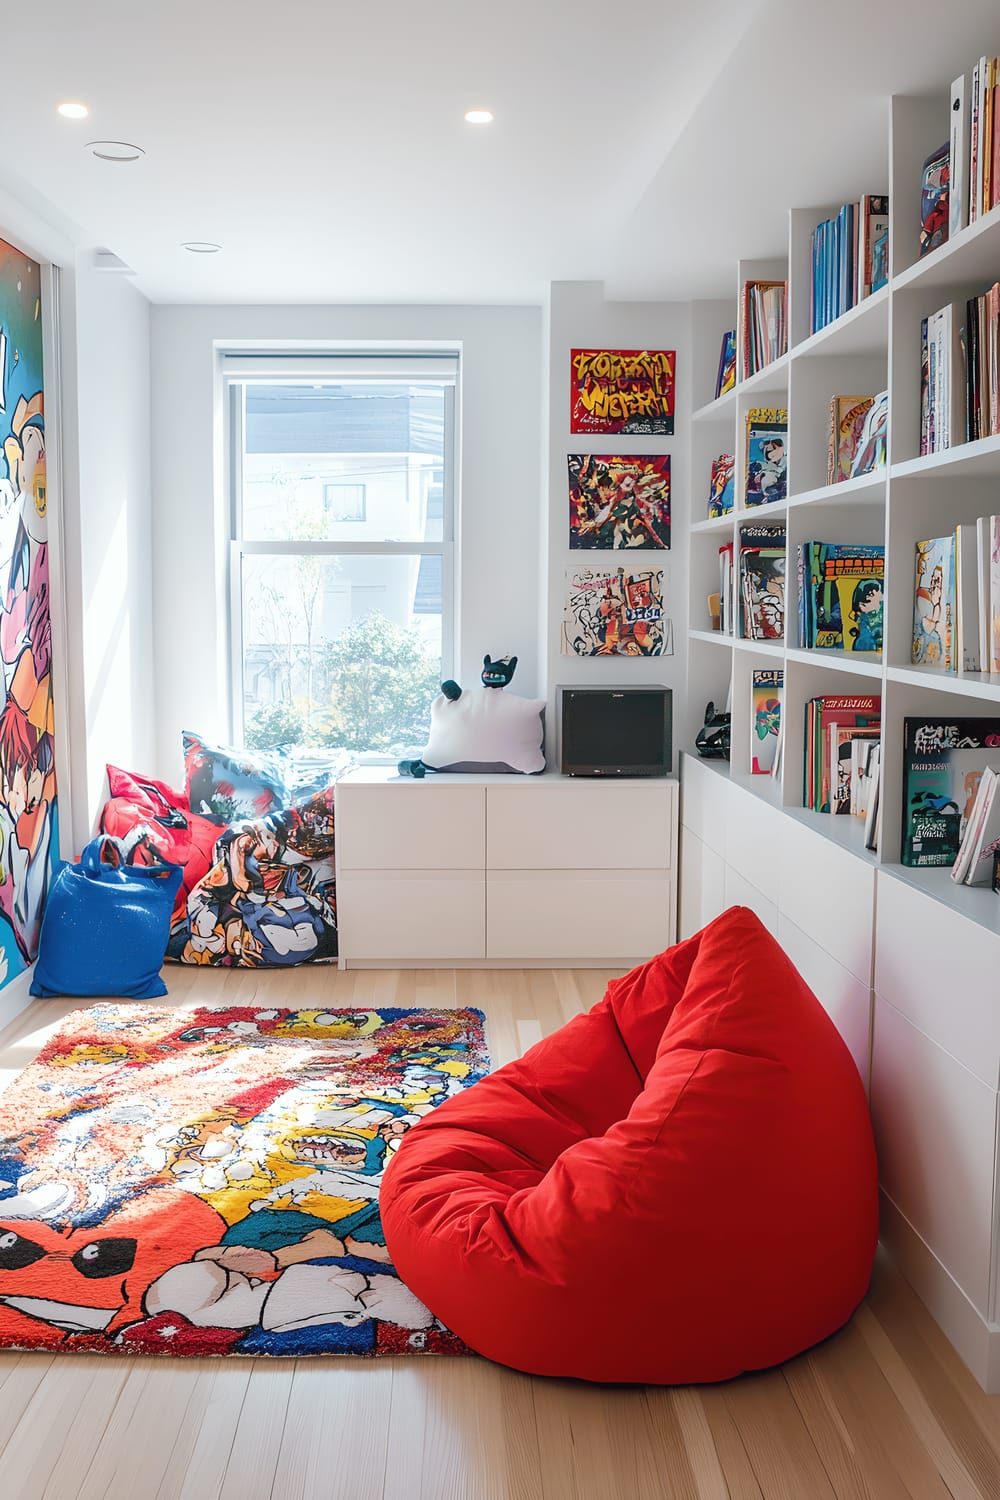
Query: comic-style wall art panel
[(28, 842)]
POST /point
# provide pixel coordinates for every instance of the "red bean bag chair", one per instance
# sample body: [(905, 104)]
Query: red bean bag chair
[(678, 1186)]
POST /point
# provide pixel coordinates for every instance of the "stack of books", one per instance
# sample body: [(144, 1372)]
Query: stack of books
[(831, 722), (763, 324), (982, 379), (956, 599), (762, 583), (974, 145), (850, 258), (942, 386), (943, 762)]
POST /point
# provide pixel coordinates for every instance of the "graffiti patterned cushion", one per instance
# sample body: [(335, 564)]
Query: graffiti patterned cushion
[(676, 1187), (227, 783), (269, 898)]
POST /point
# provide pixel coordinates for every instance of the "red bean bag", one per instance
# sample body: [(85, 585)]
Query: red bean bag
[(678, 1186)]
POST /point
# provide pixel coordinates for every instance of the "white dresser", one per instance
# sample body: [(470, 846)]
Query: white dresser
[(504, 871)]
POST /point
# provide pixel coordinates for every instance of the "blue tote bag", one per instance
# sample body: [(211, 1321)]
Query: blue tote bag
[(105, 926)]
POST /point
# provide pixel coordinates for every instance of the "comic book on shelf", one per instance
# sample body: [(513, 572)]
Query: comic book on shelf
[(934, 604), (843, 758), (873, 254), (619, 501), (761, 565), (857, 710), (869, 452), (981, 839), (943, 760), (726, 377), (720, 499), (862, 756), (763, 330), (766, 471), (847, 423), (934, 209), (766, 687), (615, 611), (841, 596)]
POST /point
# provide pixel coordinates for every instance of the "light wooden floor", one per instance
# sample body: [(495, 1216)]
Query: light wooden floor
[(884, 1409)]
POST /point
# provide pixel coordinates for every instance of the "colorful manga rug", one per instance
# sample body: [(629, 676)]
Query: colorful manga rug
[(206, 1180)]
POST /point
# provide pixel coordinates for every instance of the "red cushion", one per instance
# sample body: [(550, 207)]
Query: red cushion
[(178, 835), (678, 1186)]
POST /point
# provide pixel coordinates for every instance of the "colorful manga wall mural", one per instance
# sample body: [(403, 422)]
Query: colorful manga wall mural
[(28, 841)]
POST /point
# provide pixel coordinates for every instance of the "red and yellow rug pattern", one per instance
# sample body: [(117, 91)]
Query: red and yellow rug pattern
[(205, 1180)]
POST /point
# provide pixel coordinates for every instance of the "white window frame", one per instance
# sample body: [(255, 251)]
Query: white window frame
[(238, 370)]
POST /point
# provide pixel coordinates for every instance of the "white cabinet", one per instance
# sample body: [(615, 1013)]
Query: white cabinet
[(501, 870), (909, 978)]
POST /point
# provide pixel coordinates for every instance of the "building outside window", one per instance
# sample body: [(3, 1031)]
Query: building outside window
[(342, 553)]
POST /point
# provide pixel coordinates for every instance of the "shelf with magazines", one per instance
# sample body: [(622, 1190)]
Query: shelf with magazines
[(910, 928)]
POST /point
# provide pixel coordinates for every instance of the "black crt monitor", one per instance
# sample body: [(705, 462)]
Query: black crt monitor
[(615, 731)]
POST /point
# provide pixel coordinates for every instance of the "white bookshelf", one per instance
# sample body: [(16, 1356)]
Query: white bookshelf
[(874, 346), (904, 959)]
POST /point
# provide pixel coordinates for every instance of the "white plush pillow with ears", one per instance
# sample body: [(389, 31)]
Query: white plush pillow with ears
[(487, 729)]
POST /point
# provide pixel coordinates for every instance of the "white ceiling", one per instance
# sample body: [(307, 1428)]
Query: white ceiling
[(323, 146)]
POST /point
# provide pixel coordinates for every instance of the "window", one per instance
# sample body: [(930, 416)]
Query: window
[(342, 559), (344, 502)]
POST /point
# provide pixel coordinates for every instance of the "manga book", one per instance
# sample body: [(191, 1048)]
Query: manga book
[(766, 688), (762, 582), (726, 377), (847, 423), (622, 390), (766, 472), (619, 501), (615, 612), (943, 762), (934, 204), (842, 596), (934, 604), (720, 499)]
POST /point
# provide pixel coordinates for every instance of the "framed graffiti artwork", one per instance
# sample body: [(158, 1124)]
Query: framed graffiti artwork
[(622, 390)]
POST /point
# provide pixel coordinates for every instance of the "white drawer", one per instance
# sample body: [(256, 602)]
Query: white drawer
[(583, 914), (935, 1129), (577, 825), (846, 999), (740, 892), (829, 893), (411, 914), (705, 801), (941, 971), (701, 879), (410, 825), (753, 841)]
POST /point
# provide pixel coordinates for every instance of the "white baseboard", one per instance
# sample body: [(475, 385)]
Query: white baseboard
[(976, 1339), (15, 997)]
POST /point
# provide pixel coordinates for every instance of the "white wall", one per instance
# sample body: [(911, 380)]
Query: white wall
[(108, 583), (580, 318), (500, 503)]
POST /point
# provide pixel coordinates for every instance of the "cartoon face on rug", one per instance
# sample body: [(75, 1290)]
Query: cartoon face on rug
[(205, 1181), (60, 1281)]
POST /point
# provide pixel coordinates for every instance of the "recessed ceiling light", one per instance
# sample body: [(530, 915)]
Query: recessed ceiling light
[(71, 111), (479, 116), (115, 150), (201, 247)]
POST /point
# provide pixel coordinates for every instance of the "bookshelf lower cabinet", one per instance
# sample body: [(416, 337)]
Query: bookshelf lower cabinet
[(910, 982), (503, 870)]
